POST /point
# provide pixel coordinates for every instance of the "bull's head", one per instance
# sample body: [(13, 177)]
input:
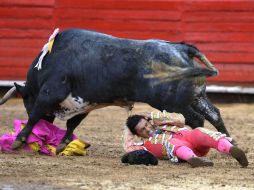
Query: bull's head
[(28, 99)]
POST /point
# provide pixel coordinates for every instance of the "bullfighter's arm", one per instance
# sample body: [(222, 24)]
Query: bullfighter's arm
[(165, 118), (128, 141)]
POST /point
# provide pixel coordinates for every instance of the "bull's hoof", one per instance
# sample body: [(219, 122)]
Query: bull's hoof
[(16, 144), (60, 148), (239, 155)]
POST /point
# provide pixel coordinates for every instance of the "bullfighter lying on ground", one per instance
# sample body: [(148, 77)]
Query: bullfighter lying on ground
[(165, 135)]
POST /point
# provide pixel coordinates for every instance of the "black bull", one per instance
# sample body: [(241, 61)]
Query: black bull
[(87, 70)]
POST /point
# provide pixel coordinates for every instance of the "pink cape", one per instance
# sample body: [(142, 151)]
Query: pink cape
[(44, 133)]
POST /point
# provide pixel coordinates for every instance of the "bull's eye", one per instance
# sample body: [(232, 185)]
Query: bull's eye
[(47, 91)]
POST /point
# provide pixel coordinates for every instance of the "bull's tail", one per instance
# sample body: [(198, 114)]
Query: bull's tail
[(169, 73), (198, 72), (194, 52)]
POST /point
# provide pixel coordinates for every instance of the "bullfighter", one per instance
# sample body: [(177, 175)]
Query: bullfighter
[(165, 135)]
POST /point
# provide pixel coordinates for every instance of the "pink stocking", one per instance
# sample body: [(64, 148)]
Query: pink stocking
[(184, 153), (224, 146)]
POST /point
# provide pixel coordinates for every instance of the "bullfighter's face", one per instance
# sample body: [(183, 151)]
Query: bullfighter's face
[(144, 128)]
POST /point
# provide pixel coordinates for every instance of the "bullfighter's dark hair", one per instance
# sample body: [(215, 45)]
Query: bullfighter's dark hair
[(132, 122)]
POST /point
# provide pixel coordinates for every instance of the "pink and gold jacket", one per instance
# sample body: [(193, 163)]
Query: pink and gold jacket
[(166, 125)]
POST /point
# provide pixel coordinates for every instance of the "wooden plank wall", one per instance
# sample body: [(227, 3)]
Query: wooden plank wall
[(222, 30), (24, 27)]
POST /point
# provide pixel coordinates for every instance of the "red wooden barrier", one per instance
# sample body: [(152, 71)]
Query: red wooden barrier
[(222, 30)]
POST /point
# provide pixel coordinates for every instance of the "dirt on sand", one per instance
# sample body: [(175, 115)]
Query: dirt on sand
[(102, 168)]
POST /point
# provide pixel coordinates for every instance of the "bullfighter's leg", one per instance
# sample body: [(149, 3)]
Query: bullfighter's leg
[(192, 118), (46, 101), (71, 125), (204, 107), (197, 142)]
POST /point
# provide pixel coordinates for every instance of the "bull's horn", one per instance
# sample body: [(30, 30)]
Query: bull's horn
[(8, 95)]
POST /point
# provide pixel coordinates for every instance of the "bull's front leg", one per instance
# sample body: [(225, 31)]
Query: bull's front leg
[(34, 117), (23, 135), (71, 125), (211, 113), (46, 101), (49, 118)]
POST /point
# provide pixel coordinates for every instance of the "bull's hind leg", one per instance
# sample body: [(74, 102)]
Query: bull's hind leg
[(192, 118), (203, 106), (184, 95), (71, 125)]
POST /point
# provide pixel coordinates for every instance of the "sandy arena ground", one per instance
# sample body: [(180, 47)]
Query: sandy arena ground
[(102, 169)]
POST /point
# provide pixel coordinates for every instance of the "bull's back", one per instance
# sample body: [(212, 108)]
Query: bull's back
[(97, 63)]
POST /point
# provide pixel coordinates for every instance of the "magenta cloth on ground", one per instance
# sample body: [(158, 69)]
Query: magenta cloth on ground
[(44, 133)]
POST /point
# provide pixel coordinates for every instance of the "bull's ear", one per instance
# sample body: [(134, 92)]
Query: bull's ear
[(20, 89)]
